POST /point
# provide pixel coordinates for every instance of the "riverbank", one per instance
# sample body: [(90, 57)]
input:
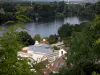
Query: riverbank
[(46, 27)]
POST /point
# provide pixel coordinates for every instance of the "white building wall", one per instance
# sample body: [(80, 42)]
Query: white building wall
[(60, 52), (39, 57), (29, 51)]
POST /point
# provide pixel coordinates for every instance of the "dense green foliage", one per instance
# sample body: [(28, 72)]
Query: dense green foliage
[(46, 10), (97, 7), (14, 13), (84, 54), (66, 30), (94, 73), (52, 39), (82, 10), (37, 37), (9, 62), (55, 47), (25, 39)]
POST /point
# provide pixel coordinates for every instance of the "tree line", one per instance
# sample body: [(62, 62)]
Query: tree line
[(46, 10), (83, 40)]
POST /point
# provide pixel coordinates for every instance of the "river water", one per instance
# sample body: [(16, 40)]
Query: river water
[(46, 27)]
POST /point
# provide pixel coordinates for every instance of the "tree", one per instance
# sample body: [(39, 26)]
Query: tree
[(37, 37), (65, 31), (25, 38), (55, 47), (82, 43), (97, 7), (52, 39), (84, 53), (21, 14), (94, 73), (9, 62)]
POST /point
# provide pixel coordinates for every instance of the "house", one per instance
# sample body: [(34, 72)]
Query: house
[(62, 52), (44, 42), (2, 11), (54, 67), (41, 52), (37, 52)]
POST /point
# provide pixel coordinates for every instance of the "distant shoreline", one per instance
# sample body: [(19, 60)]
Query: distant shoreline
[(71, 2)]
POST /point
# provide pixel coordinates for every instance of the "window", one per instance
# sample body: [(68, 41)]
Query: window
[(61, 52)]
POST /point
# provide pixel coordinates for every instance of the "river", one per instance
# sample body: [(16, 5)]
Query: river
[(46, 27)]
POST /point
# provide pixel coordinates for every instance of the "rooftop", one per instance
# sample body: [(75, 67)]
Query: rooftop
[(41, 48), (2, 11)]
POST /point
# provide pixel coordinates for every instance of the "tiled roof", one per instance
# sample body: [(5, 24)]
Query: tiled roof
[(59, 62), (44, 42), (54, 67)]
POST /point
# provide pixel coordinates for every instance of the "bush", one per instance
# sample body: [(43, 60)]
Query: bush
[(55, 47), (52, 39)]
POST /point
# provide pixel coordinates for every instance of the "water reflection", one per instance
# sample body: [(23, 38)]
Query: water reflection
[(48, 26)]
